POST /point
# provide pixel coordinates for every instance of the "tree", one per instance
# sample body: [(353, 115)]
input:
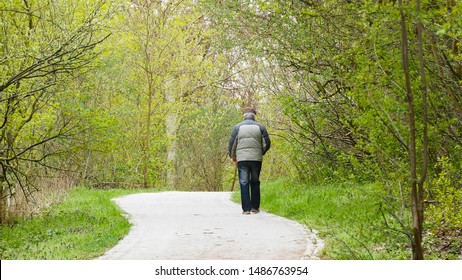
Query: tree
[(42, 45), (417, 184), (337, 71), (169, 56)]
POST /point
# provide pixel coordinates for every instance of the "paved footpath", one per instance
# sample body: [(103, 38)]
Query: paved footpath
[(207, 225)]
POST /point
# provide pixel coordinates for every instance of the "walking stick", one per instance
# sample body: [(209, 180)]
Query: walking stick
[(235, 176)]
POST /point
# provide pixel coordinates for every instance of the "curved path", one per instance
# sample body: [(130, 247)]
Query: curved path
[(207, 225)]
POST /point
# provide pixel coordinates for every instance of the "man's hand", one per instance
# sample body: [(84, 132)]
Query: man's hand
[(234, 159)]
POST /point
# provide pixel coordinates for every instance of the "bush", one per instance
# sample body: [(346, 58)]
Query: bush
[(443, 214)]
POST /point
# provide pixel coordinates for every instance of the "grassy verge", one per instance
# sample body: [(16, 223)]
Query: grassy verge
[(347, 217), (83, 227)]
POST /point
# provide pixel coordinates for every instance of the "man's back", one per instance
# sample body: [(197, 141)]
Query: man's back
[(249, 141)]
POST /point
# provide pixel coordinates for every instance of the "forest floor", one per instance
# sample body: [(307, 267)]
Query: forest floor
[(207, 225)]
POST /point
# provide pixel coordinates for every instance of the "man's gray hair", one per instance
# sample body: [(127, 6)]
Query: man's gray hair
[(249, 115)]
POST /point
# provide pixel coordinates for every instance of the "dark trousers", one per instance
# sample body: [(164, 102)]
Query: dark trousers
[(249, 180)]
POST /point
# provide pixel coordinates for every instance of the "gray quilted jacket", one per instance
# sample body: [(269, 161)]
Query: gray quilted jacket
[(249, 141)]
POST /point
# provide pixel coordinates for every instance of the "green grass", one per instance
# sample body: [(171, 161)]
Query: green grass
[(83, 227), (347, 217)]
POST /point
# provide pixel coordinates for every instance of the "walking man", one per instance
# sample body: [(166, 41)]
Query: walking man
[(248, 143)]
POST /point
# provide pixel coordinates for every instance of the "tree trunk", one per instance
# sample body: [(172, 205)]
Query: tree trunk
[(417, 222), (147, 136), (423, 175), (3, 202), (171, 132)]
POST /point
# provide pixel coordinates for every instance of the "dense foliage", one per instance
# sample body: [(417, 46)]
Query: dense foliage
[(144, 93)]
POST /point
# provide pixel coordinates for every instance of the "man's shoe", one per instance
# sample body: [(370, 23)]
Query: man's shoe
[(255, 211), (246, 212)]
